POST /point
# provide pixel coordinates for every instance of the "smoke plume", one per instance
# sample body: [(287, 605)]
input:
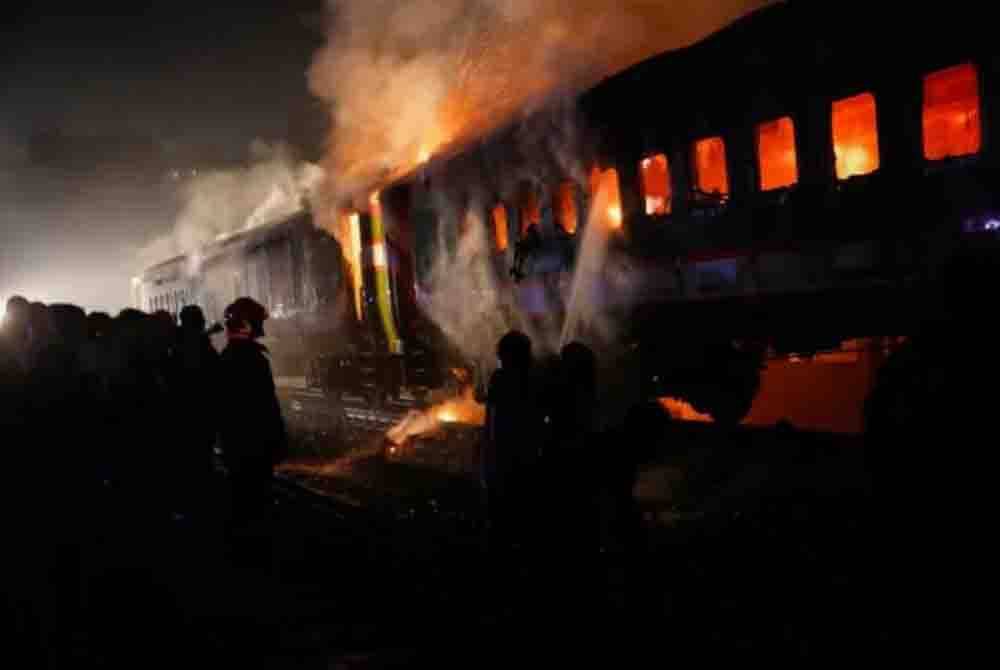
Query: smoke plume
[(405, 78), (217, 203)]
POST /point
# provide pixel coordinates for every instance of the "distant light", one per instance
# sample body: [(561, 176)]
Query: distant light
[(992, 224)]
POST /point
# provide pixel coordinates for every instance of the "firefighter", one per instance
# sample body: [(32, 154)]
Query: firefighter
[(251, 429)]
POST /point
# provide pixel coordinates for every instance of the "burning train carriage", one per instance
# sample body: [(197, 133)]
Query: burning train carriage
[(783, 192), (786, 188)]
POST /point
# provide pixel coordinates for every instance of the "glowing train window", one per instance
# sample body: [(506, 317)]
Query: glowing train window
[(855, 136), (952, 125), (531, 209), (605, 194), (500, 226), (711, 176), (656, 190), (776, 159), (565, 207)]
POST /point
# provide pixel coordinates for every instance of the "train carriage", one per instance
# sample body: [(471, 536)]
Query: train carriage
[(784, 193)]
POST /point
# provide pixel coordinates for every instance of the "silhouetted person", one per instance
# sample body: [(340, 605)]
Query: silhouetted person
[(60, 417), (99, 325), (251, 428), (571, 402), (195, 386), (510, 446), (40, 323)]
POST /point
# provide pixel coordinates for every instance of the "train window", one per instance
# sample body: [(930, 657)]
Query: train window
[(952, 124), (711, 176), (531, 208), (499, 216), (656, 189), (605, 192), (855, 136), (776, 159), (565, 207)]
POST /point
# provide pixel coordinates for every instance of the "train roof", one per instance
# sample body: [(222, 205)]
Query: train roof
[(238, 240), (801, 45)]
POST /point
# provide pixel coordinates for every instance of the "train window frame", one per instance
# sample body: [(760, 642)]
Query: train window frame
[(843, 101), (667, 206), (709, 198), (529, 209), (759, 156), (980, 133)]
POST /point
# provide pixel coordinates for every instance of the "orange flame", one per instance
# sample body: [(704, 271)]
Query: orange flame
[(684, 411), (460, 410)]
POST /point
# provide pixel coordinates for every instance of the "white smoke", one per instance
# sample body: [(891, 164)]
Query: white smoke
[(461, 294), (217, 203), (404, 78)]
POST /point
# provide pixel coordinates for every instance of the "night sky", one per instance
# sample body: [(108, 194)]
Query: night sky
[(134, 90)]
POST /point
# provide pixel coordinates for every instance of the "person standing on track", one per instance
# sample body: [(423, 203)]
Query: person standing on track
[(251, 428)]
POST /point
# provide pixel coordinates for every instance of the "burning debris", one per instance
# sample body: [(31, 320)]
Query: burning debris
[(682, 410), (464, 410)]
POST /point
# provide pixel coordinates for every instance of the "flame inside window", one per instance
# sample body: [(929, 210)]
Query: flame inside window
[(711, 175), (606, 199), (565, 207), (500, 226), (656, 189), (776, 158), (531, 209), (952, 125), (855, 136)]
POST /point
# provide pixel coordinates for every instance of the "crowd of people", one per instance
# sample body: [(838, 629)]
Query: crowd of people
[(139, 403), (552, 487), (114, 425)]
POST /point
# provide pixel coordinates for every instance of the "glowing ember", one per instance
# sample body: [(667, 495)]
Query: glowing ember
[(684, 411)]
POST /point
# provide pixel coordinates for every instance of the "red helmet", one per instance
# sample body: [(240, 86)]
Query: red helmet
[(246, 311)]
